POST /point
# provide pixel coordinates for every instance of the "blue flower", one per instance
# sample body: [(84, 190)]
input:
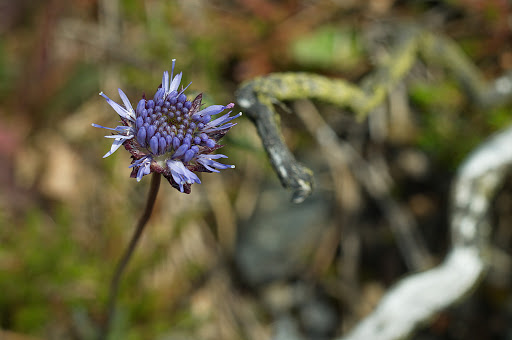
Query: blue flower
[(170, 134)]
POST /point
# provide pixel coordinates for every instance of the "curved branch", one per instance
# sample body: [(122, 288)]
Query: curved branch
[(258, 96), (419, 297)]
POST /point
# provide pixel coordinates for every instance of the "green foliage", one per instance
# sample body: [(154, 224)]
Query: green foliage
[(448, 131), (41, 265), (327, 48)]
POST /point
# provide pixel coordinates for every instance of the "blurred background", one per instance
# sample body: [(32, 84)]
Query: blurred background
[(234, 259)]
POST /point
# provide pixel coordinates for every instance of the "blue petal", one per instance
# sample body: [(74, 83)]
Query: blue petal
[(208, 162), (181, 174), (119, 128), (175, 82), (216, 156), (102, 127), (144, 165), (176, 143), (141, 136), (115, 145), (215, 125), (139, 122), (210, 143), (144, 169), (141, 105), (121, 111), (165, 82), (153, 143), (172, 69), (150, 132), (159, 95), (127, 104), (181, 151), (189, 155), (212, 110), (162, 145), (123, 137)]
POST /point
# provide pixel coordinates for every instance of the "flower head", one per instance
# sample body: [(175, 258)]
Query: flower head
[(170, 134)]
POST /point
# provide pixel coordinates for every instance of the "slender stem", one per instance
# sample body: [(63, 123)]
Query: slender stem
[(123, 262)]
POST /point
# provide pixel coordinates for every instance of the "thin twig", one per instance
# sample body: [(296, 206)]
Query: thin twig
[(258, 96), (123, 262), (376, 182)]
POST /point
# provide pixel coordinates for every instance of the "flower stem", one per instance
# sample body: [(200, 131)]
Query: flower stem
[(123, 262)]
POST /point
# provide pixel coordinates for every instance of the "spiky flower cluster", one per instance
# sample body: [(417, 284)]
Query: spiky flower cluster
[(170, 134)]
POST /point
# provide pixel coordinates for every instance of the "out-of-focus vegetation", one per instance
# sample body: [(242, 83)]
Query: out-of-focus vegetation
[(235, 259)]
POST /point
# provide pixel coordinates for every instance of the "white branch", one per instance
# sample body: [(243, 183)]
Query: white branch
[(418, 297)]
